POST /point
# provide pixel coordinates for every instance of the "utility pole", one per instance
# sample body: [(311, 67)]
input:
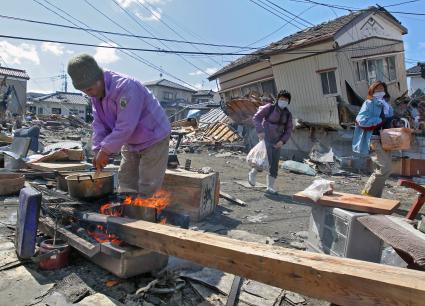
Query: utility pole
[(64, 78)]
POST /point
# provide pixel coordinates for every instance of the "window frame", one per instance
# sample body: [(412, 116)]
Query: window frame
[(389, 67), (326, 72), (56, 108), (167, 95)]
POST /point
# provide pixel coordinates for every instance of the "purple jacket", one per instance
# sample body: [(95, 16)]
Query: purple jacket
[(129, 114), (274, 122)]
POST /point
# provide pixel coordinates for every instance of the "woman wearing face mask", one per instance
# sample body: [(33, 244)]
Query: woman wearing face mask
[(273, 123), (375, 114)]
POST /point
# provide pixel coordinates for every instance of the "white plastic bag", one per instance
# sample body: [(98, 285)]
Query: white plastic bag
[(319, 187), (257, 157)]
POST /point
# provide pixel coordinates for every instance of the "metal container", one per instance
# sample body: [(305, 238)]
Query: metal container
[(91, 185), (56, 260)]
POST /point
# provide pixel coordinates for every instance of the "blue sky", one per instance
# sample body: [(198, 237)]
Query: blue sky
[(235, 22)]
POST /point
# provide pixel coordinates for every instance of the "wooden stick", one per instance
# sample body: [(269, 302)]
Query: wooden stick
[(339, 280), (232, 198)]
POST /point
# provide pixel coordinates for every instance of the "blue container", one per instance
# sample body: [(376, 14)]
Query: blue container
[(27, 222)]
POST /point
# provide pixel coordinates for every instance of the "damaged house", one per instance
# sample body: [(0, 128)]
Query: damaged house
[(13, 90), (328, 69)]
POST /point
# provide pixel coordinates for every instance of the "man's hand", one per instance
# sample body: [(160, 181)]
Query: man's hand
[(261, 136), (101, 160), (278, 145)]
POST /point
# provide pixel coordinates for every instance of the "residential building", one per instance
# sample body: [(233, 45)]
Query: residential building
[(205, 96), (325, 67), (172, 96), (13, 89), (416, 81), (60, 103)]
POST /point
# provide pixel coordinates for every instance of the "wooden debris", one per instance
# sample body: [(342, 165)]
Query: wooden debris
[(232, 198), (339, 280)]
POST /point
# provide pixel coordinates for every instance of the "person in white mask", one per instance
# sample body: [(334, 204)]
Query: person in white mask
[(375, 114), (273, 123)]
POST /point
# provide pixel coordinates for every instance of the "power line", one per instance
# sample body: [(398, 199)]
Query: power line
[(351, 9), (186, 52), (401, 3), (293, 15), (277, 30), (130, 53), (169, 27), (279, 16), (121, 34), (139, 23)]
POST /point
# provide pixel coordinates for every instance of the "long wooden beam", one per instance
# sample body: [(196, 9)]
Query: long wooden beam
[(339, 280)]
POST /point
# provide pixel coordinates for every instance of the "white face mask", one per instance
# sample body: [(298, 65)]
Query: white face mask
[(379, 95), (282, 103)]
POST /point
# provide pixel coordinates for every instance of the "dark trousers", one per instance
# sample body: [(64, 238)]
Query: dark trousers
[(273, 155)]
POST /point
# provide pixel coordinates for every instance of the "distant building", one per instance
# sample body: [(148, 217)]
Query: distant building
[(172, 96), (203, 96), (13, 90), (416, 80), (60, 103)]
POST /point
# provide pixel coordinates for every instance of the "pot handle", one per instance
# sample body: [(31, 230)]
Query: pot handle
[(85, 175)]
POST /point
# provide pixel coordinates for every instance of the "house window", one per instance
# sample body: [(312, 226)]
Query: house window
[(40, 111), (382, 69), (168, 95), (328, 82), (33, 109), (361, 71), (73, 112), (249, 89), (56, 111), (269, 88), (82, 112)]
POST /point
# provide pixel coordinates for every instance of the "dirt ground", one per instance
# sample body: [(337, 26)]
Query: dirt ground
[(277, 219)]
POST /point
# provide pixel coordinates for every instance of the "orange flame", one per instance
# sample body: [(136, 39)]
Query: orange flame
[(159, 200)]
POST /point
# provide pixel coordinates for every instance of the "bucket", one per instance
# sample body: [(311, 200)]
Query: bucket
[(56, 260), (396, 139)]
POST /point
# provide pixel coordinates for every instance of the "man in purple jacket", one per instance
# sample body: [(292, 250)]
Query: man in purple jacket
[(127, 118), (273, 123)]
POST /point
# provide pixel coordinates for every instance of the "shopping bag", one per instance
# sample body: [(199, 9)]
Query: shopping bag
[(257, 157)]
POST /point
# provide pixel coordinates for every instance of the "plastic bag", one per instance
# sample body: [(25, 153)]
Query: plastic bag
[(319, 187), (257, 157)]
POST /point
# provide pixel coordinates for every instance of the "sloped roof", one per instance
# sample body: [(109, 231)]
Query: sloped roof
[(16, 73), (64, 97), (204, 92), (214, 115), (412, 71), (168, 83), (309, 36)]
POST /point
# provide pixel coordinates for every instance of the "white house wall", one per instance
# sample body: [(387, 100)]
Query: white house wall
[(301, 79), (417, 82), (371, 48), (251, 73), (363, 28), (65, 107)]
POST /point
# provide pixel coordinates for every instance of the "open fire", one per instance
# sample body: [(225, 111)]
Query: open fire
[(158, 201)]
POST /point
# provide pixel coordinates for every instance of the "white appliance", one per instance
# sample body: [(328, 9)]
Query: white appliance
[(337, 232)]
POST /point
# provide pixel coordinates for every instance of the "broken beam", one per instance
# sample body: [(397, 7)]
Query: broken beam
[(231, 198), (339, 280)]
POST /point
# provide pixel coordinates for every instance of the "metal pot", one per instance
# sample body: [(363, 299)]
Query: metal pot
[(91, 185)]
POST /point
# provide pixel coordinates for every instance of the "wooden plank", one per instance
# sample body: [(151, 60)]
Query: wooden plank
[(353, 202), (58, 166), (232, 198), (340, 280), (80, 244)]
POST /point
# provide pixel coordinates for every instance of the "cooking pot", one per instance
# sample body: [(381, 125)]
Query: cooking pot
[(90, 185)]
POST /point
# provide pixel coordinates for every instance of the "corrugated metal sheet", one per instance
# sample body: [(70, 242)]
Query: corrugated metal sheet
[(213, 116)]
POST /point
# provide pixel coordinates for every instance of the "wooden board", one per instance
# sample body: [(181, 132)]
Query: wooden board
[(340, 280), (65, 166), (353, 202), (231, 198)]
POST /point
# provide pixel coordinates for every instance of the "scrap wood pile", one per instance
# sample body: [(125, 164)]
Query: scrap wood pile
[(241, 110)]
